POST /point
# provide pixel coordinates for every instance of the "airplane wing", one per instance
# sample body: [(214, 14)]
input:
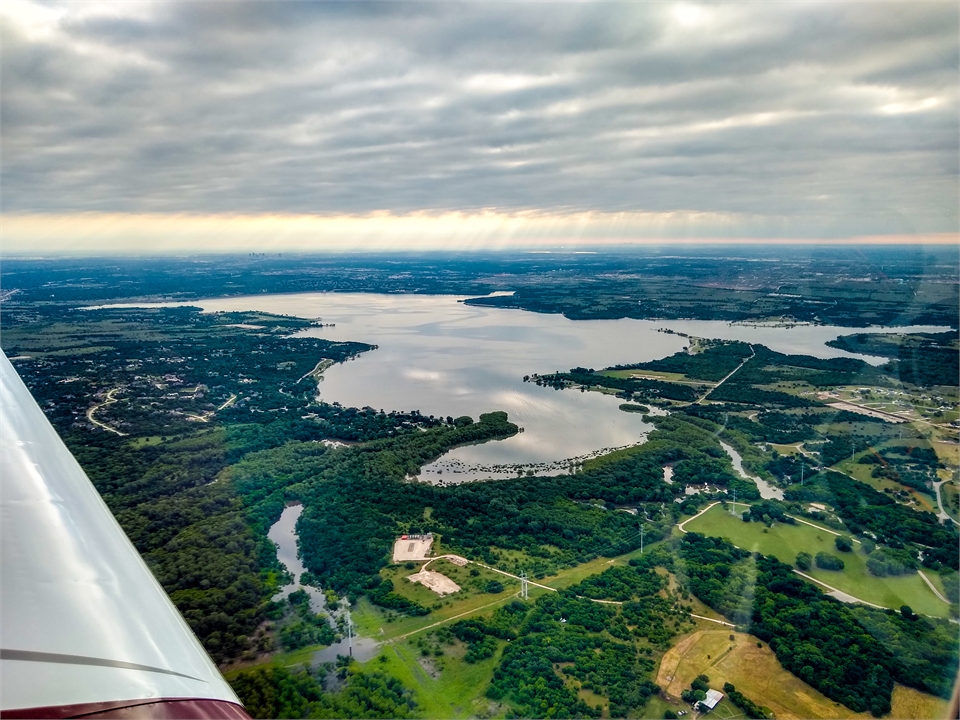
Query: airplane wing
[(85, 628)]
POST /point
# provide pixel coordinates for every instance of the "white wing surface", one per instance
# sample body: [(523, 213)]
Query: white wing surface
[(85, 629)]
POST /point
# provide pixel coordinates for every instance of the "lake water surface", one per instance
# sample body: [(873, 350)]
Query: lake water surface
[(445, 358)]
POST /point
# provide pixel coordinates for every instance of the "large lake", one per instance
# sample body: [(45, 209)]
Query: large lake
[(442, 357)]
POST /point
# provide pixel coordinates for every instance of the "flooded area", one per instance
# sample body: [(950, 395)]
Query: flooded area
[(767, 491), (442, 357), (668, 474), (363, 649), (283, 533)]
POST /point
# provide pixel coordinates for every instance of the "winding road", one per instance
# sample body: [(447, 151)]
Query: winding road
[(943, 514), (207, 415), (109, 401)]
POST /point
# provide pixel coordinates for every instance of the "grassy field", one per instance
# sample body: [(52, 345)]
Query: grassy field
[(923, 501), (785, 449), (654, 374), (141, 441), (757, 673), (909, 704), (445, 687), (374, 622), (948, 493), (948, 452), (657, 706), (754, 670), (785, 541)]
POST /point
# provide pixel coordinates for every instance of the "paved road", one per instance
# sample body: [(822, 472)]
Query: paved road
[(680, 526), (932, 586), (735, 371), (943, 514), (109, 401), (839, 594)]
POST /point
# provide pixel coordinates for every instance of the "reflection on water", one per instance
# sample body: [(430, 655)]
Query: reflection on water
[(443, 357), (363, 649), (767, 491), (284, 535)]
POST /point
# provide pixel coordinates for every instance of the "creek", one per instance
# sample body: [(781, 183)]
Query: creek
[(767, 491), (283, 533)]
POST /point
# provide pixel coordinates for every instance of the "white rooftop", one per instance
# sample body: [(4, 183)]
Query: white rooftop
[(713, 697)]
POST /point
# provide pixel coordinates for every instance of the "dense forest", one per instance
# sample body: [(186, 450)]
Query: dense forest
[(275, 692), (357, 499), (924, 359), (600, 647), (717, 360), (631, 388)]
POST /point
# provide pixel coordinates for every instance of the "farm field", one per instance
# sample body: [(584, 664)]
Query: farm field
[(785, 541), (757, 673)]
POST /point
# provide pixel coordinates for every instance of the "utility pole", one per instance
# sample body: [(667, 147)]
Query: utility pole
[(350, 632), (733, 508), (641, 538), (524, 585), (801, 473)]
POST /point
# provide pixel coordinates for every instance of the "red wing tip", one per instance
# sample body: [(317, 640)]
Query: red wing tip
[(147, 709)]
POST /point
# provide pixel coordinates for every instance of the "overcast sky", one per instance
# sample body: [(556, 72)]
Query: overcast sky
[(807, 120)]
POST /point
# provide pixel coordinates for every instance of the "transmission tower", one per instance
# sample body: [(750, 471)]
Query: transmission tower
[(524, 585)]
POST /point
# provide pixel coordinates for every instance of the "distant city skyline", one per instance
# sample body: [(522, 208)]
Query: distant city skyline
[(177, 126)]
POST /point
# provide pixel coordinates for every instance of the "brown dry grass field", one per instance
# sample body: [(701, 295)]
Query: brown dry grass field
[(758, 674)]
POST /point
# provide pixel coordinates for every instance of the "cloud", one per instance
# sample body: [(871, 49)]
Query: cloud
[(795, 120)]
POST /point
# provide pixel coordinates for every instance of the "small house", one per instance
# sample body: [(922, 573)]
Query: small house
[(711, 700)]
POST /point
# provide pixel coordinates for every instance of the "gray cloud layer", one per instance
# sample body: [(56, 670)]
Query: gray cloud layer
[(819, 118)]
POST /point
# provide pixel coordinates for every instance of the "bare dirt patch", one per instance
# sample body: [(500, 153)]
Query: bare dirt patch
[(429, 666), (412, 548), (440, 584)]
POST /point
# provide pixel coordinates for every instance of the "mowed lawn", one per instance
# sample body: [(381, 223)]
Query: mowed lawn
[(758, 674), (785, 541)]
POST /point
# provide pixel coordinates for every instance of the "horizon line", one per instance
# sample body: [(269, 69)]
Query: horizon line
[(98, 233)]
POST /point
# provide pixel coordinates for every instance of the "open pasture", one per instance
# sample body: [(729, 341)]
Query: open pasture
[(757, 673), (785, 541)]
